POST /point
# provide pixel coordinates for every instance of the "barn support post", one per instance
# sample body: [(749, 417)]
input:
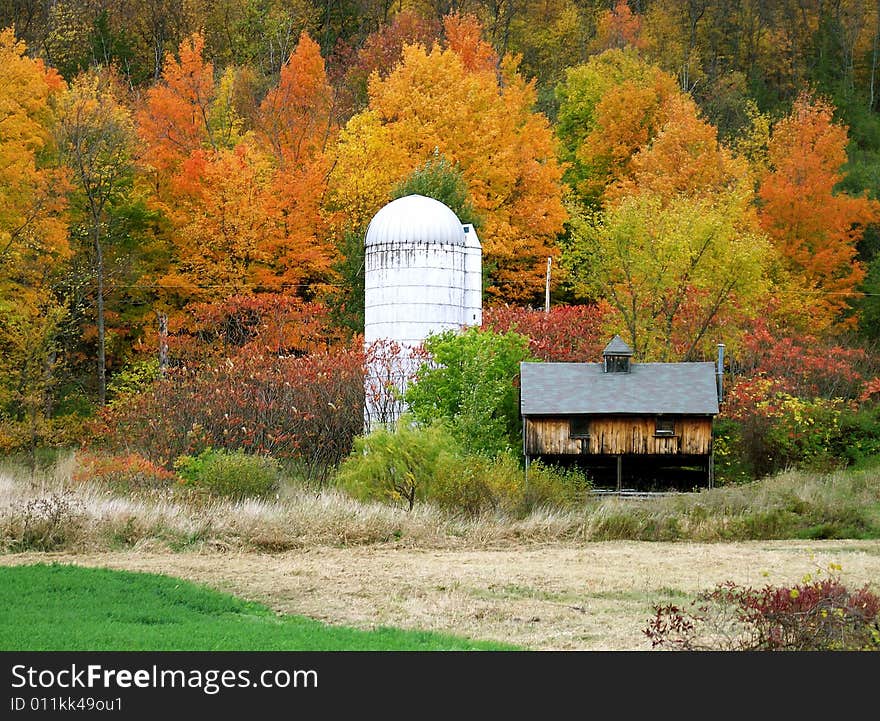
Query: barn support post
[(528, 460), (619, 473), (711, 470)]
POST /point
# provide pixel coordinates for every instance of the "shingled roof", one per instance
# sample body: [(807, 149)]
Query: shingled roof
[(617, 346), (648, 389)]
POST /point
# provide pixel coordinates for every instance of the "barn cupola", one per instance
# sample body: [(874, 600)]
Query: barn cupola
[(616, 356)]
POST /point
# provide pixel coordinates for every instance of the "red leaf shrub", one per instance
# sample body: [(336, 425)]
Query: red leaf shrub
[(303, 408), (126, 473), (802, 364), (816, 615), (573, 333), (264, 323)]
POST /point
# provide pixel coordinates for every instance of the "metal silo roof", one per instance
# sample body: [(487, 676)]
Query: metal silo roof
[(415, 219)]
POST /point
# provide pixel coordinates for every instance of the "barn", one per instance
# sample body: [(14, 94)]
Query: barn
[(622, 420)]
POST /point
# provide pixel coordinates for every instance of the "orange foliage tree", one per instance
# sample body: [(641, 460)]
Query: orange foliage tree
[(175, 120), (814, 228), (457, 102), (609, 108), (33, 246), (246, 212), (617, 28), (33, 234)]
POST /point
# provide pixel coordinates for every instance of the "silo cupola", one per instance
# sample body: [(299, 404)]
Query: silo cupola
[(616, 356)]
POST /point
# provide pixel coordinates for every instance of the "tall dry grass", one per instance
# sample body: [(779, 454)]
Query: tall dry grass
[(48, 511)]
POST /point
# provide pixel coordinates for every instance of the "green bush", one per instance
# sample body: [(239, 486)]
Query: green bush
[(554, 486), (396, 466), (859, 437), (426, 463), (731, 464), (230, 473)]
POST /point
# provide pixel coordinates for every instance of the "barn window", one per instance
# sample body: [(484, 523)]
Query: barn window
[(664, 427), (579, 427)]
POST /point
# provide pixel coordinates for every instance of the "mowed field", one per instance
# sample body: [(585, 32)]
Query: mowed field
[(588, 596)]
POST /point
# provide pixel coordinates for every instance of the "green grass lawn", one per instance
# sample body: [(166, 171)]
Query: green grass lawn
[(67, 608)]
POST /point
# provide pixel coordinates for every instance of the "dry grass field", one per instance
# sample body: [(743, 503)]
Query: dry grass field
[(553, 579), (586, 596)]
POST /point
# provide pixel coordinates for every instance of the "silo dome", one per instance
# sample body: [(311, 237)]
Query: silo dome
[(421, 276), (415, 219)]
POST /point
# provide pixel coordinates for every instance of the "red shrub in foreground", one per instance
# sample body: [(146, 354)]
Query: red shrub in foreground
[(816, 615)]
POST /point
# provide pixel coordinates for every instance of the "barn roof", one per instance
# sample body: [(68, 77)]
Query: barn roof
[(648, 389)]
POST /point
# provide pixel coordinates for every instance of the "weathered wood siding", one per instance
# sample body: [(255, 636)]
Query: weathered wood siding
[(617, 435)]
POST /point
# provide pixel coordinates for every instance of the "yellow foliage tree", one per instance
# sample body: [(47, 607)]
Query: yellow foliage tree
[(480, 118), (674, 269), (33, 232)]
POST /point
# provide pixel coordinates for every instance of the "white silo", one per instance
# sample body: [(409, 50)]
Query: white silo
[(422, 275)]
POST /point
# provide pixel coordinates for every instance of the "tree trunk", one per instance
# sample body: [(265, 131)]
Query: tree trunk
[(163, 343), (99, 303)]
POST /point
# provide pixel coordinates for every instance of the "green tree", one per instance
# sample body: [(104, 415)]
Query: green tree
[(96, 137), (444, 181), (28, 346), (471, 384)]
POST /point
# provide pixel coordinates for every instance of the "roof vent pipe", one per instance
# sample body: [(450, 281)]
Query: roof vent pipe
[(719, 372)]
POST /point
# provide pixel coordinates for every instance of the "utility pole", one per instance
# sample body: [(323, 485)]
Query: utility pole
[(547, 287)]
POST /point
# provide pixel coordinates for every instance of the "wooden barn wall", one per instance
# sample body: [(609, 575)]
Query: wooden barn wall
[(618, 435)]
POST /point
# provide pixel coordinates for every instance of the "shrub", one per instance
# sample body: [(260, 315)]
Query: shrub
[(567, 334), (398, 465), (42, 524), (304, 409), (124, 474), (415, 463), (233, 474), (550, 485), (776, 430), (802, 364), (816, 615), (135, 378), (859, 437), (280, 324), (731, 466)]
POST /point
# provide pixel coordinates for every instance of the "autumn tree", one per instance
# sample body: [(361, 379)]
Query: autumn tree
[(34, 247), (814, 228), (672, 269), (175, 120), (96, 137), (246, 206), (382, 50), (505, 151), (618, 27), (609, 108), (33, 235), (296, 122), (684, 157)]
